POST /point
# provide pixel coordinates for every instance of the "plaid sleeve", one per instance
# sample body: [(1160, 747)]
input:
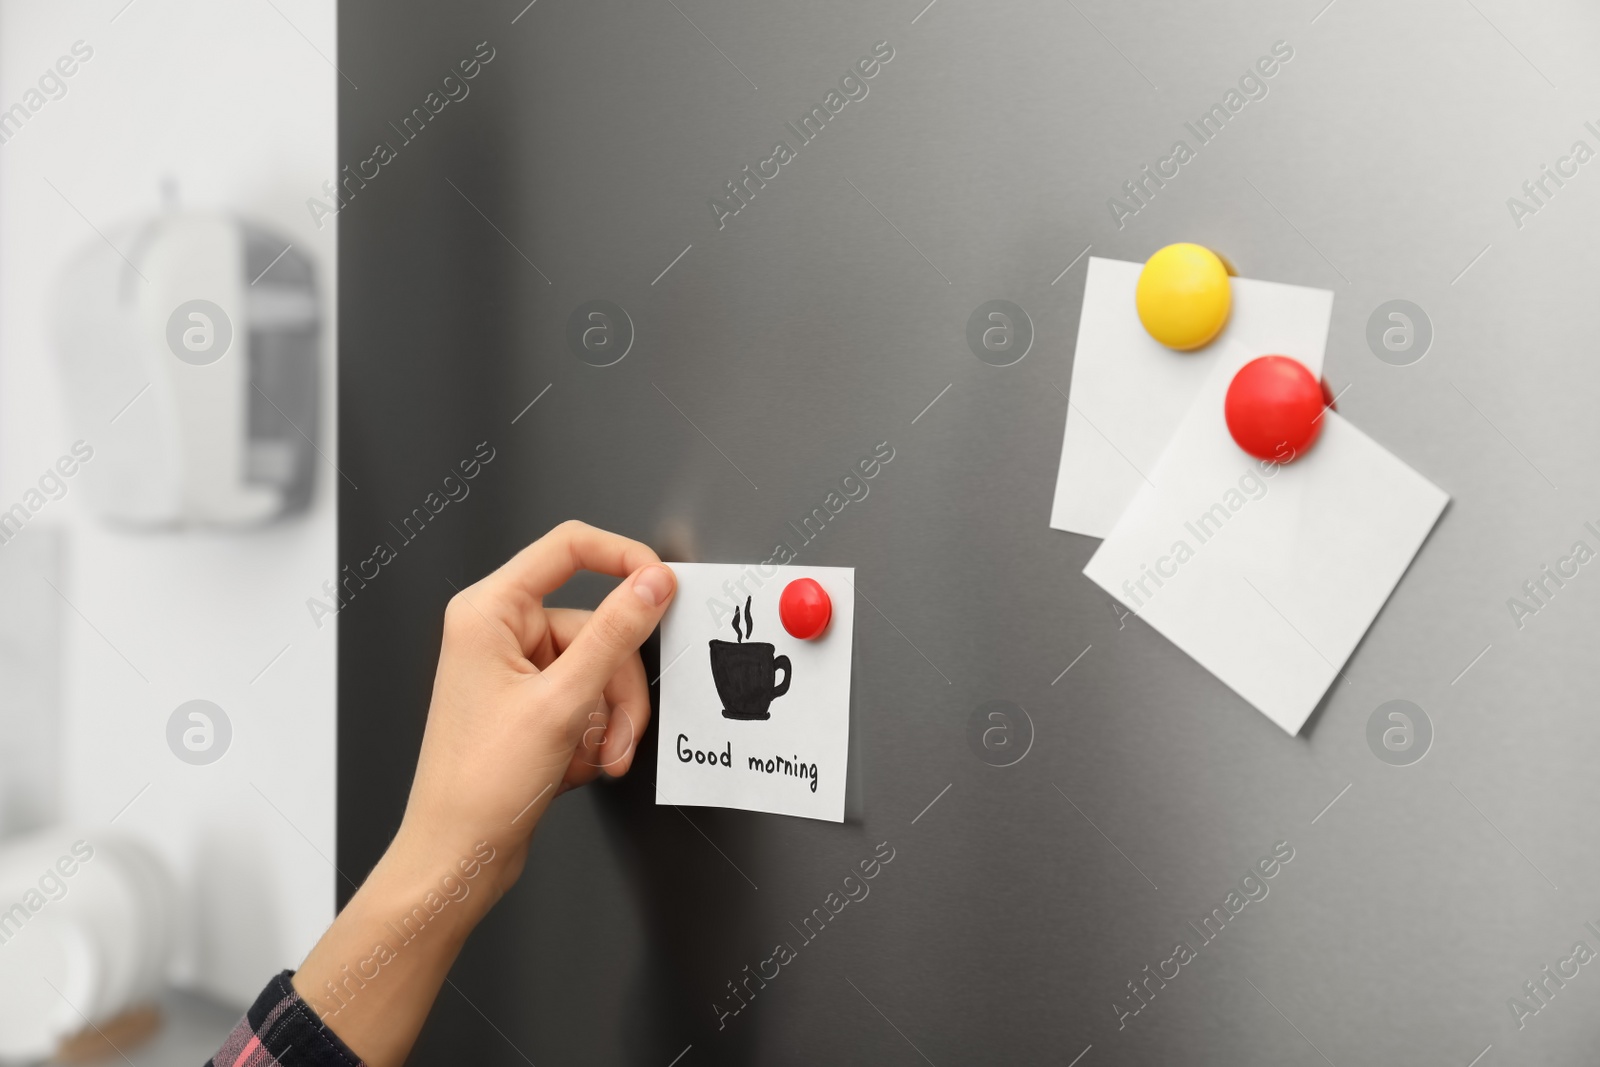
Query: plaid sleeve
[(278, 1022)]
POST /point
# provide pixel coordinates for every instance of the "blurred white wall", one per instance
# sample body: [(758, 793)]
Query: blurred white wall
[(235, 103)]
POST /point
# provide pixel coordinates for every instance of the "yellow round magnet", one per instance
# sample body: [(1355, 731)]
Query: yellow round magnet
[(1183, 296)]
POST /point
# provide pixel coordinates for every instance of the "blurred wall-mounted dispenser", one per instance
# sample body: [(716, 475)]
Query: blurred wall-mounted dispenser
[(188, 344)]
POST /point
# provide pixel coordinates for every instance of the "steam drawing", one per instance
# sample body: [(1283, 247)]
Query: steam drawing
[(749, 628)]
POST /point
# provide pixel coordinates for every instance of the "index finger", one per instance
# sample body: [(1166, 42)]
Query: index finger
[(548, 563)]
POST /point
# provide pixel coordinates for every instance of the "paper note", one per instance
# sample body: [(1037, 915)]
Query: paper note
[(751, 717), (1266, 574), (1128, 391)]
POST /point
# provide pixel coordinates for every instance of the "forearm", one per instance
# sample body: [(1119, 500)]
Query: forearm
[(376, 971)]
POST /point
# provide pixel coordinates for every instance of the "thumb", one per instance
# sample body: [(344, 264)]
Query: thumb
[(615, 631)]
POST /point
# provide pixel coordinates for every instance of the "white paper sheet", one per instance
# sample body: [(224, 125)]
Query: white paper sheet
[(792, 761), (1267, 576), (1128, 391)]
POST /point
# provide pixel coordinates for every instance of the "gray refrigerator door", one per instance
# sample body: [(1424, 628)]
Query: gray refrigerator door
[(681, 264)]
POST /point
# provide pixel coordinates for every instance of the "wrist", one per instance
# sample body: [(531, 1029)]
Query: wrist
[(411, 916), (453, 881), (373, 974)]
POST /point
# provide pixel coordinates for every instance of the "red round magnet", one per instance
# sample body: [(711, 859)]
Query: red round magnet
[(805, 608), (1274, 408)]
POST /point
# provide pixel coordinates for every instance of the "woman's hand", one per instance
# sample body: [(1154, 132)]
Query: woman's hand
[(531, 701), (527, 702)]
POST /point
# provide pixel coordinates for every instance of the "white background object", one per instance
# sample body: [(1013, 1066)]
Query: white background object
[(181, 453), (1277, 594), (1129, 390), (86, 928), (237, 109), (30, 663), (809, 723)]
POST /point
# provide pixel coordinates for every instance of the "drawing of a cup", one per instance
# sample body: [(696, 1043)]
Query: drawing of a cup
[(743, 674)]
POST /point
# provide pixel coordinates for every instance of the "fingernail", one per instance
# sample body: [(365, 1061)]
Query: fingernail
[(653, 585)]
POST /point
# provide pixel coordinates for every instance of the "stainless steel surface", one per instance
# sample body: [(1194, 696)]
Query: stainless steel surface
[(829, 315)]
